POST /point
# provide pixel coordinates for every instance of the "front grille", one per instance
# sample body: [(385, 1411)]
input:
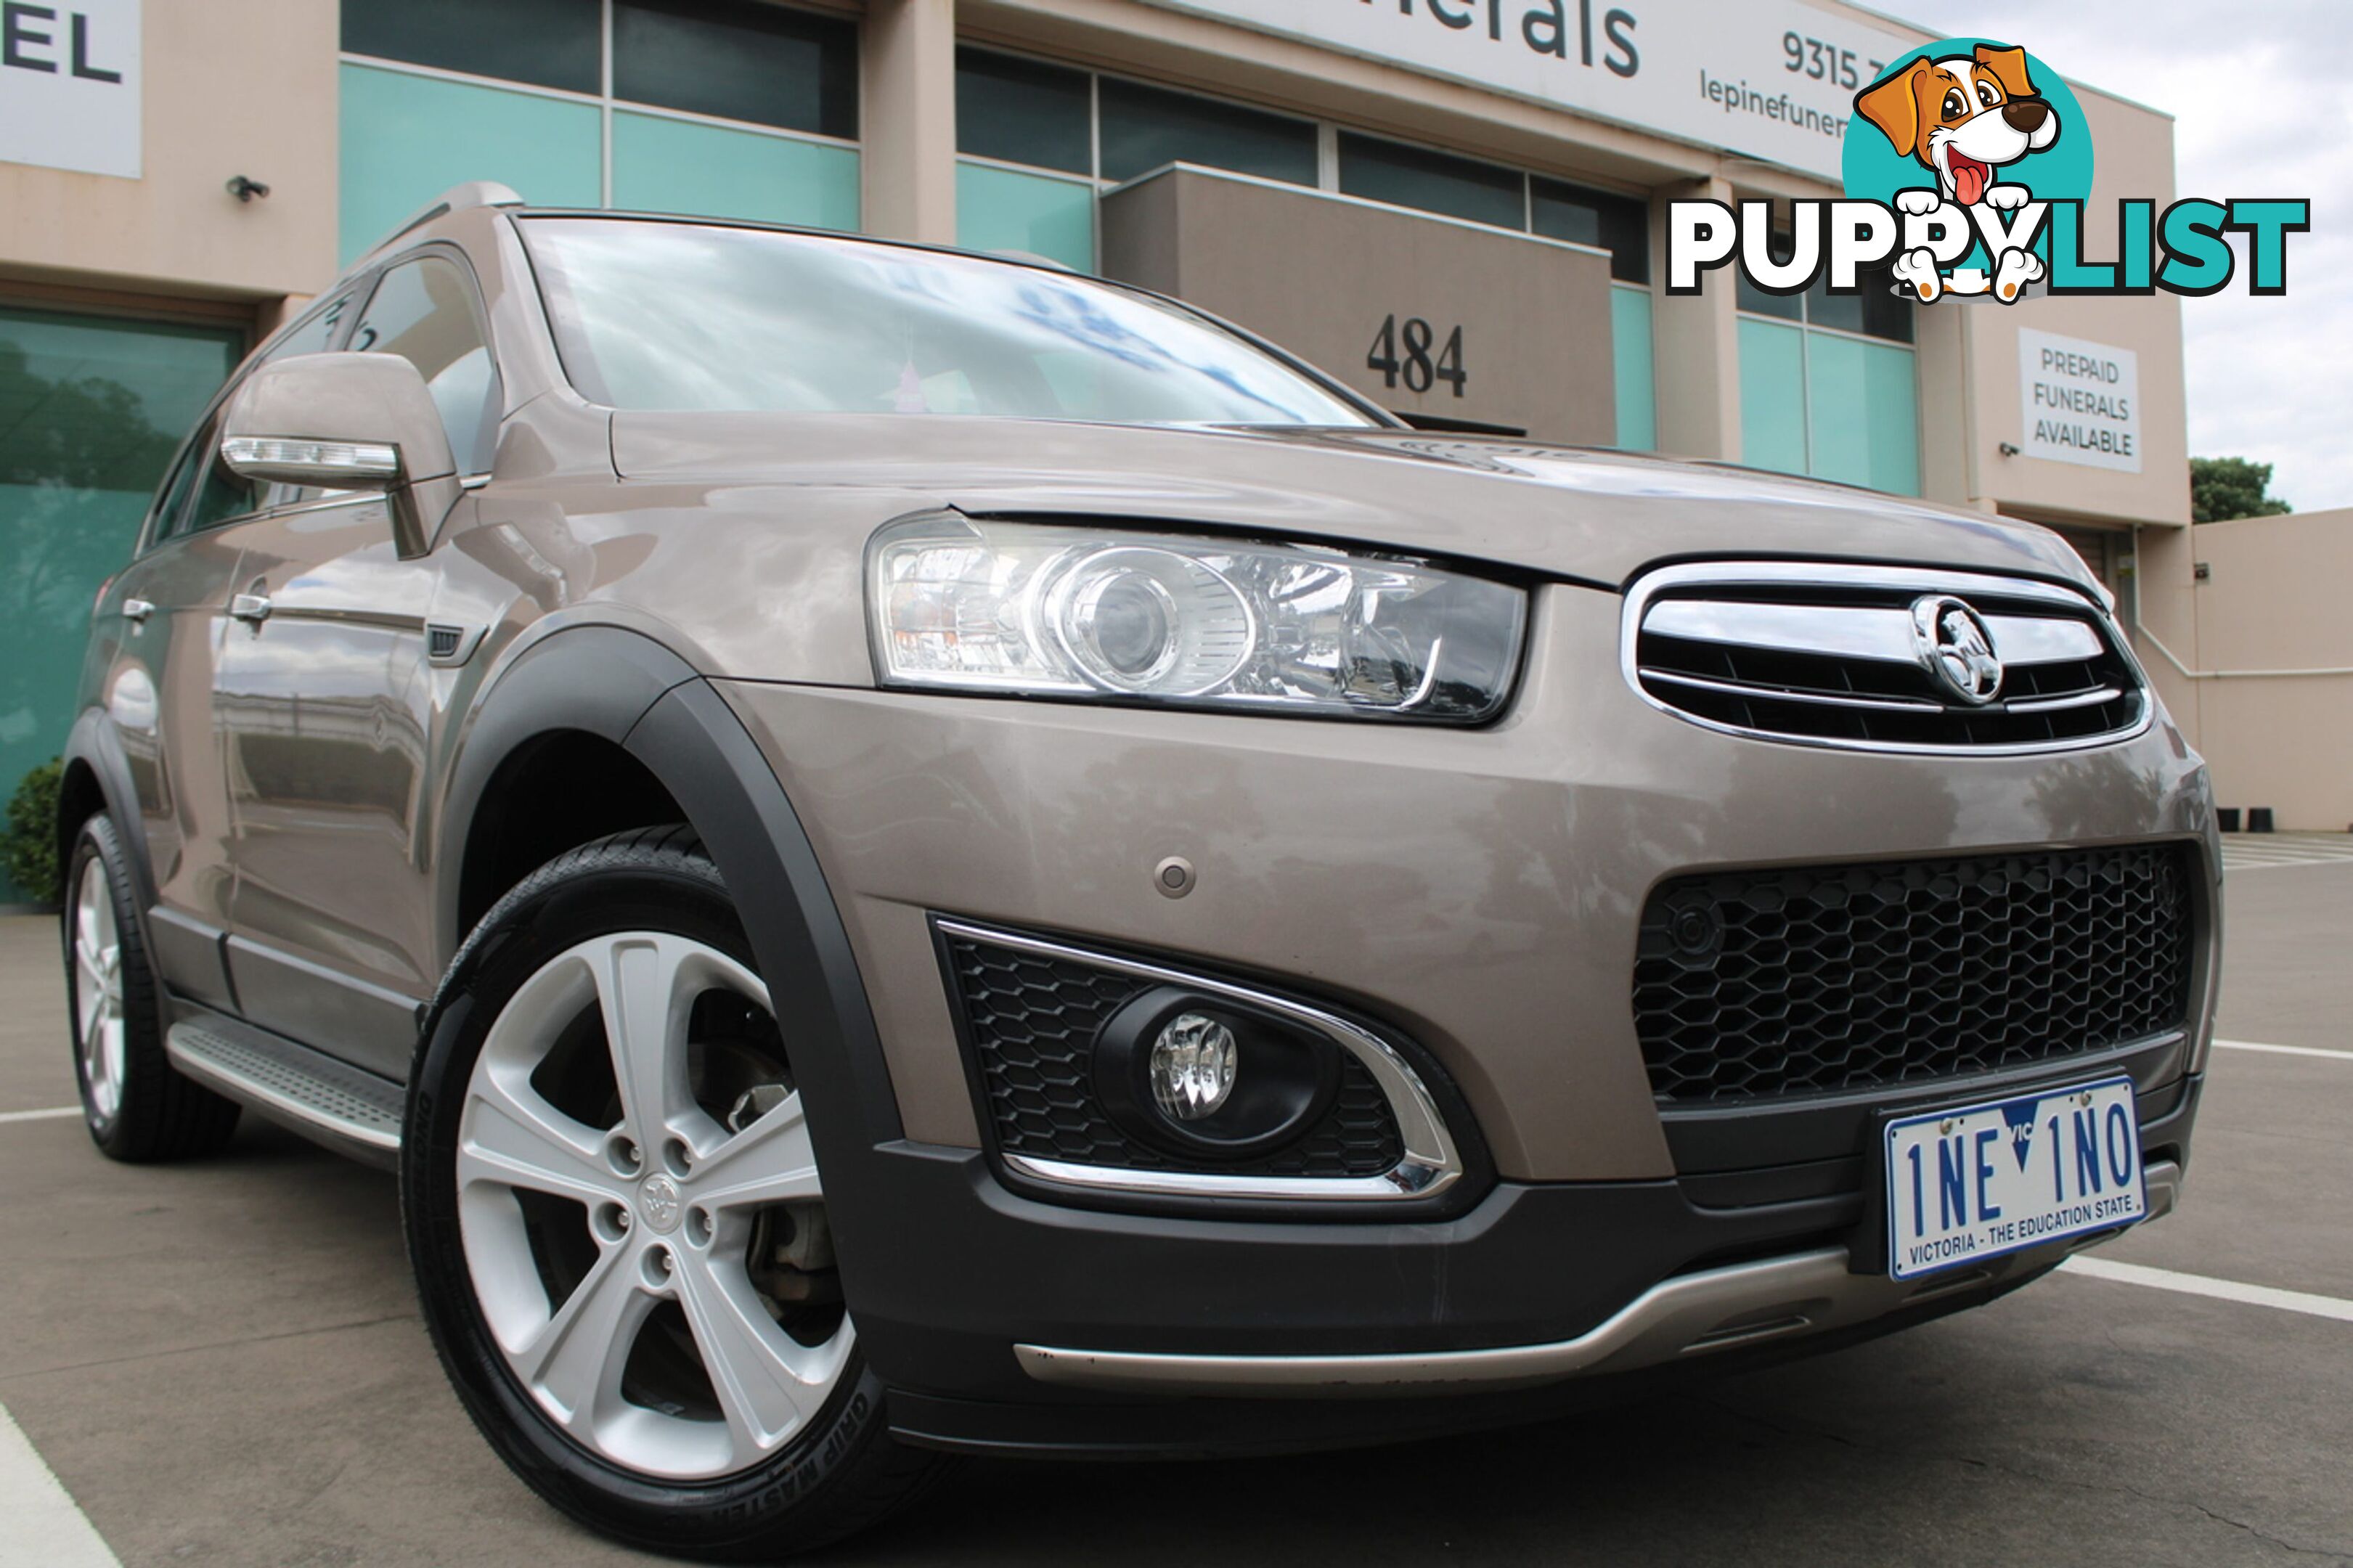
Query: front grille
[(1750, 984), (1031, 1021), (1829, 655)]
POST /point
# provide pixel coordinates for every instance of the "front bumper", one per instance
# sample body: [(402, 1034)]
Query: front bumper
[(1479, 892)]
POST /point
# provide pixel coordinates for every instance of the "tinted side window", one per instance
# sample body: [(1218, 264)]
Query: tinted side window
[(171, 500), (424, 312), (223, 494)]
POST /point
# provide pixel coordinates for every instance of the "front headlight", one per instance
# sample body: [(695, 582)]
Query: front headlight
[(1049, 610)]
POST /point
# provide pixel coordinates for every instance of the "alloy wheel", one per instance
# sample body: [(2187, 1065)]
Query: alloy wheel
[(639, 1204), (98, 989)]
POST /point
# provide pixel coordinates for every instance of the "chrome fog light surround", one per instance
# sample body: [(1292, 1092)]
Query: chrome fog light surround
[(1431, 1163)]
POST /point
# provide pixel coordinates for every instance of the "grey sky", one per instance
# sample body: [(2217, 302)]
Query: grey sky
[(2260, 109)]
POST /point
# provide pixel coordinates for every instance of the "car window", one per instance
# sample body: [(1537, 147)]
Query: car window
[(424, 312), (703, 317)]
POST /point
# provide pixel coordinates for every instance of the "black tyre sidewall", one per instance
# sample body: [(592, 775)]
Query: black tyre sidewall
[(161, 1114), (805, 1495)]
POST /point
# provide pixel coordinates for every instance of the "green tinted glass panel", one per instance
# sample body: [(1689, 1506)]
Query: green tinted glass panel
[(406, 139), (739, 60), (1630, 345), (1864, 409), (1750, 297), (1432, 182), (1146, 127), (676, 166), (1020, 112), (997, 209), (91, 412), (548, 43), (1773, 396)]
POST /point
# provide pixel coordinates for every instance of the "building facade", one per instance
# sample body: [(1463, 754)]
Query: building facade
[(1456, 205)]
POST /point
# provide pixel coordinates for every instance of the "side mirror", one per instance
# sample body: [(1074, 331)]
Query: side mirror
[(351, 422)]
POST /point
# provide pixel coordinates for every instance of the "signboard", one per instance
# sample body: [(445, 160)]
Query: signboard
[(2078, 401), (69, 85), (1771, 80)]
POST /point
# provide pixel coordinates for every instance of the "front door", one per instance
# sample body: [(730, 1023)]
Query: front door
[(323, 701), (327, 707)]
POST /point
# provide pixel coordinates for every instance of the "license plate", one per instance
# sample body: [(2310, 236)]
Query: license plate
[(1968, 1184)]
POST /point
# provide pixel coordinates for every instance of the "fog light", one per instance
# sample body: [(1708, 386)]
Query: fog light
[(1194, 1060)]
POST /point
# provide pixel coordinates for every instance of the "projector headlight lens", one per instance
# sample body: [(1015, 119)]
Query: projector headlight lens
[(1049, 610)]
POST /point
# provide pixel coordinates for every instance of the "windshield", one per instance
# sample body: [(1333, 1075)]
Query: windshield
[(704, 318)]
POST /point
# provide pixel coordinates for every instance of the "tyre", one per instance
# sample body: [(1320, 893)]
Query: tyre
[(619, 1233), (138, 1106)]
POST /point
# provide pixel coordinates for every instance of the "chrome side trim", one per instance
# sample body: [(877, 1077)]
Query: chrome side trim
[(1431, 1163), (1691, 1314), (1800, 575)]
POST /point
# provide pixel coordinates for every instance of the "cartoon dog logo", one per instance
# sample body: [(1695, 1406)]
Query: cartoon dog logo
[(1964, 117)]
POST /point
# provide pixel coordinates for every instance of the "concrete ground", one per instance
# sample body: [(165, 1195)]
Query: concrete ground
[(222, 1363)]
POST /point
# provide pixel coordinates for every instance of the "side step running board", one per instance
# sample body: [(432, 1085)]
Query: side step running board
[(331, 1102)]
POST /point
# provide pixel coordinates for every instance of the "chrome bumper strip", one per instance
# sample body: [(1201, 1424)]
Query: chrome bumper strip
[(1688, 1315)]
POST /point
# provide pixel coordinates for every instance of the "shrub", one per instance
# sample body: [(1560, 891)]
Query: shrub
[(28, 842)]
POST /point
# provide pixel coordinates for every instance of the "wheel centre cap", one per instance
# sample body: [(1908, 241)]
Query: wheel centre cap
[(659, 1205)]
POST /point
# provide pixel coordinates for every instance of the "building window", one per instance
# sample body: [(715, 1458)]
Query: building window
[(1040, 142), (718, 108), (1025, 112), (1618, 224), (1828, 385), (1432, 182), (1146, 128), (92, 409)]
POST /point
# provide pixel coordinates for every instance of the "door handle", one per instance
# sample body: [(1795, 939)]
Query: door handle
[(136, 611), (251, 608)]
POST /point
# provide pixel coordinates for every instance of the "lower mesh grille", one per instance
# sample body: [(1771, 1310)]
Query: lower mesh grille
[(1785, 982), (1032, 1021)]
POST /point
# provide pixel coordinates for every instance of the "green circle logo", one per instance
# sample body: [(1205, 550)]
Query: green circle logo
[(1884, 154)]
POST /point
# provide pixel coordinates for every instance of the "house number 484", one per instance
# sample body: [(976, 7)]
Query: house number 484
[(1419, 369)]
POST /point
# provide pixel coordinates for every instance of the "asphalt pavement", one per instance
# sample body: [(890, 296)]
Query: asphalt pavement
[(222, 1363)]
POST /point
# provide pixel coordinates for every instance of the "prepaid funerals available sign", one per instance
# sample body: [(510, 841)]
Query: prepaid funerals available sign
[(2078, 401), (69, 85)]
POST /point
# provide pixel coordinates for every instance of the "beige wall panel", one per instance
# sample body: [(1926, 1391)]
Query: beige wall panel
[(232, 87), (2268, 604), (1321, 275)]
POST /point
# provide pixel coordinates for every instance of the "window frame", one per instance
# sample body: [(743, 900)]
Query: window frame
[(495, 404)]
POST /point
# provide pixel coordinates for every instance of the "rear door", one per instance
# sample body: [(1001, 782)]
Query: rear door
[(326, 703), (164, 622)]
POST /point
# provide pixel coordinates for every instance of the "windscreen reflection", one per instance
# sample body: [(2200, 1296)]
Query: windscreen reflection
[(702, 318)]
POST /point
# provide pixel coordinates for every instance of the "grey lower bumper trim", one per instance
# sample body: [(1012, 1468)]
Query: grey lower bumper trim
[(1691, 1314)]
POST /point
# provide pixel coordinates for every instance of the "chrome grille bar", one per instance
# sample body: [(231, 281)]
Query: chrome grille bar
[(1829, 655)]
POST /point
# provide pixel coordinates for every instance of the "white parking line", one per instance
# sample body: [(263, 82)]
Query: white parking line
[(2282, 1051), (45, 1527), (54, 1114), (2199, 1285)]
